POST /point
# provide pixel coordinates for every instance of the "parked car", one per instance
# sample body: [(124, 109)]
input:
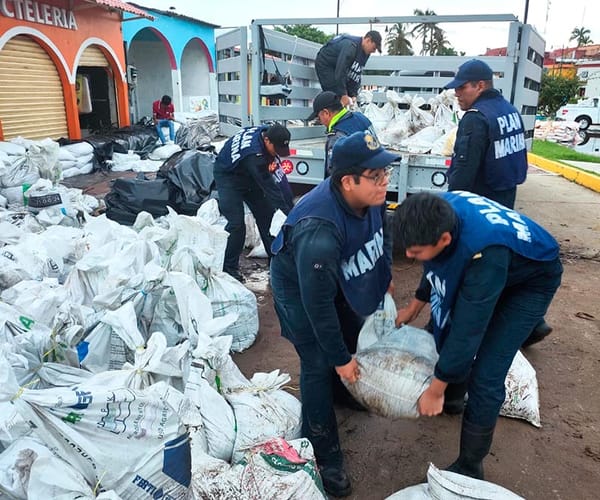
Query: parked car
[(586, 112)]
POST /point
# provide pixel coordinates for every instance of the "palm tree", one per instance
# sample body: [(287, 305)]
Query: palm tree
[(397, 41), (425, 31), (581, 35)]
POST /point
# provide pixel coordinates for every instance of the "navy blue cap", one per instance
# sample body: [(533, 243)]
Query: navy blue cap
[(471, 71), (362, 150)]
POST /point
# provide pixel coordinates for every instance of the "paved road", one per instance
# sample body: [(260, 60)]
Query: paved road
[(569, 211)]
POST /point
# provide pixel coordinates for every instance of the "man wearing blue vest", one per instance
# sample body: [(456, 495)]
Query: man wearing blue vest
[(490, 154), (246, 171), (493, 273), (338, 120), (331, 267), (339, 63)]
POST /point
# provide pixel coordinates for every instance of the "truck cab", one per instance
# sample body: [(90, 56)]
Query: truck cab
[(586, 112)]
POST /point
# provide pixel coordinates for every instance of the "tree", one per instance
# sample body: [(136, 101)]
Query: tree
[(555, 91), (425, 31), (397, 41), (305, 31), (581, 35)]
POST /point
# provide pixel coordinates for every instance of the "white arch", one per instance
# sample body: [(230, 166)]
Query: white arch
[(97, 41), (23, 30)]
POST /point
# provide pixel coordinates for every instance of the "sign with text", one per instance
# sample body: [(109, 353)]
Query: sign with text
[(37, 12)]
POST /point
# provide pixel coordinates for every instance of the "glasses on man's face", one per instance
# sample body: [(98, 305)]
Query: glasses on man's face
[(379, 178)]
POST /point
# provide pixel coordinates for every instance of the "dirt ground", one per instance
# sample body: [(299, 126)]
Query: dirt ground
[(559, 461)]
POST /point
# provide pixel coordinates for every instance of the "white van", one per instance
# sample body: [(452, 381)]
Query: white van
[(586, 112)]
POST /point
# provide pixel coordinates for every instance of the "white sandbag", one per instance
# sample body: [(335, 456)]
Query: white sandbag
[(64, 155), (395, 371), (164, 152), (274, 470), (202, 389), (39, 299), (112, 342), (123, 161), (43, 155), (522, 398), (12, 149), (13, 195), (445, 485), (449, 485), (262, 410), (126, 440), (229, 296), (20, 171), (79, 149), (52, 477), (378, 324), (3, 202), (12, 427), (258, 252), (16, 463), (252, 239)]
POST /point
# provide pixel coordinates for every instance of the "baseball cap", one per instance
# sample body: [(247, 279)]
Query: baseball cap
[(280, 138), (376, 37), (360, 150), (323, 101), (471, 71)]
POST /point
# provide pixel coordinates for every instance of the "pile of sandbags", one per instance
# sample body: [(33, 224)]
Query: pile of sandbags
[(563, 132), (116, 374)]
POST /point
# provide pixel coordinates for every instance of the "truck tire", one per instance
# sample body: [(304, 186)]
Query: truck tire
[(585, 136), (584, 122)]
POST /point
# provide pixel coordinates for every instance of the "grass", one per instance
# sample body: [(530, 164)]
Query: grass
[(553, 151)]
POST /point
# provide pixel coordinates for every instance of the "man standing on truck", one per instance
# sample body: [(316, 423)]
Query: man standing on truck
[(340, 61), (243, 173), (331, 267), (493, 274), (338, 120), (490, 154)]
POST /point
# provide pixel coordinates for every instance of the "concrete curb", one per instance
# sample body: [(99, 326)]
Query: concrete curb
[(585, 179)]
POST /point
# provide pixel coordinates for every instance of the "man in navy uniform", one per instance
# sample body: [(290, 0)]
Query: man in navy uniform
[(338, 120), (492, 273), (244, 173), (339, 63), (331, 267)]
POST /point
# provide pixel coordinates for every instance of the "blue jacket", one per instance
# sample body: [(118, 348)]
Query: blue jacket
[(481, 223), (479, 139), (246, 142), (364, 264), (348, 124)]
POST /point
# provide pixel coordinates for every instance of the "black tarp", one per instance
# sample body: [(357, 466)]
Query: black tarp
[(184, 182)]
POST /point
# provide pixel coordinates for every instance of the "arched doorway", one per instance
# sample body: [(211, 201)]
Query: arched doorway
[(196, 66), (152, 57)]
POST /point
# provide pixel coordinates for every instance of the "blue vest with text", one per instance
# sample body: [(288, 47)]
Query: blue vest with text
[(364, 270), (506, 157), (246, 142), (481, 223)]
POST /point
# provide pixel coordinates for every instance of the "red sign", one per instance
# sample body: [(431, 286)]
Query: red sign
[(287, 166)]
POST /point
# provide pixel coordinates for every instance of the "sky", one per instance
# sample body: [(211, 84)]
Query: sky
[(554, 20)]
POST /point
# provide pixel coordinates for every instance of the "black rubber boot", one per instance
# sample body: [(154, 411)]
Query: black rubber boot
[(335, 481), (454, 398), (539, 333), (475, 442)]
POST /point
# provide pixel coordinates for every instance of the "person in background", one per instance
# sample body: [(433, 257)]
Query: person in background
[(331, 267), (340, 61), (163, 116), (338, 121), (490, 154), (244, 173), (493, 273)]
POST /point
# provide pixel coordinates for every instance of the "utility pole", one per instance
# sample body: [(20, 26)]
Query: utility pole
[(526, 11), (337, 15)]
